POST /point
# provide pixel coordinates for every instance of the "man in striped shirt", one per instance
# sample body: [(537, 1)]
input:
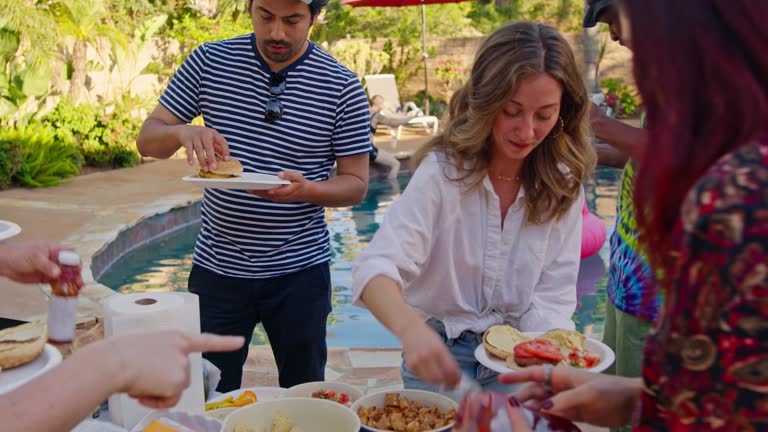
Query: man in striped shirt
[(280, 105)]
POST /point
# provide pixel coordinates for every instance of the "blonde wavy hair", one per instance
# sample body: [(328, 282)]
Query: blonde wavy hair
[(553, 172)]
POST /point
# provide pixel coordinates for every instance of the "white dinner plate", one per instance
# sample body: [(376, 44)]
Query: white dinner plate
[(593, 345), (262, 393), (247, 181), (14, 377), (8, 229)]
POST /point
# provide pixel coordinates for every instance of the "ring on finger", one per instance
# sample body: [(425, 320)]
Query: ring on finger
[(548, 379)]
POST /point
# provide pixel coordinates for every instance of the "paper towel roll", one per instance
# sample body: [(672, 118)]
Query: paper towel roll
[(140, 312)]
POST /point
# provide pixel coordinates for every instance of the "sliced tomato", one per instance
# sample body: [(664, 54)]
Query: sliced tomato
[(539, 348), (583, 359)]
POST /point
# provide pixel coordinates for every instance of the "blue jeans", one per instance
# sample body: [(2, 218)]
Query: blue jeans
[(463, 350)]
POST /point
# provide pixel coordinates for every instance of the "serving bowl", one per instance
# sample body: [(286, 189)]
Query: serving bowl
[(424, 398), (307, 389), (309, 414)]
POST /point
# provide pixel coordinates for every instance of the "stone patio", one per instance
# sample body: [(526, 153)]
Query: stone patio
[(106, 214)]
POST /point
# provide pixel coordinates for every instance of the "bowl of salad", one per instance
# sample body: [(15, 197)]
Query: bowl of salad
[(344, 394)]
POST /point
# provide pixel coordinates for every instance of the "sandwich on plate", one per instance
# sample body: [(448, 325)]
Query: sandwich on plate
[(224, 169)]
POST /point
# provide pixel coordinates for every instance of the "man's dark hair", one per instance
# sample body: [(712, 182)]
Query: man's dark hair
[(595, 9), (314, 7)]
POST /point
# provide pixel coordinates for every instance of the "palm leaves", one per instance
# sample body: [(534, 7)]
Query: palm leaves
[(85, 21)]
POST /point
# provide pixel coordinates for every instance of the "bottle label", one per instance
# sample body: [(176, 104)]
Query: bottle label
[(62, 314)]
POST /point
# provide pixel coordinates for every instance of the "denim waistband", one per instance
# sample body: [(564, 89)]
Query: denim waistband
[(466, 335)]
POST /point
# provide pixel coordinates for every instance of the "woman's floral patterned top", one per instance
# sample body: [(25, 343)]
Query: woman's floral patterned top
[(706, 361)]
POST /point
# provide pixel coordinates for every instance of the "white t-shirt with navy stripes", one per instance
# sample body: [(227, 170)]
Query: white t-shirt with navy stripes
[(325, 117)]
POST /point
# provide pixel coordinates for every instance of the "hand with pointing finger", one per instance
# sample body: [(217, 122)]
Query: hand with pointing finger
[(158, 379)]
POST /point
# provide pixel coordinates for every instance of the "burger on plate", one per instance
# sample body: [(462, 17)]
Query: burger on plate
[(536, 352), (224, 169), (21, 344), (500, 340)]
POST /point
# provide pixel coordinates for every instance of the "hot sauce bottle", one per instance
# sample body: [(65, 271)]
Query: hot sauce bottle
[(62, 308)]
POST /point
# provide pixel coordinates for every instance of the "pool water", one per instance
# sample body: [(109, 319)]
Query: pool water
[(164, 265)]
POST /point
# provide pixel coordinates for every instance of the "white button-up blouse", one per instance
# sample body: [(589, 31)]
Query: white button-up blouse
[(444, 246)]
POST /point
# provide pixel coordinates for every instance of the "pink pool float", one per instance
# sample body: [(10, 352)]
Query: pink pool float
[(592, 233)]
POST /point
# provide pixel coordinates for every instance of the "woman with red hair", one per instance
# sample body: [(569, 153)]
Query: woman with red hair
[(702, 189)]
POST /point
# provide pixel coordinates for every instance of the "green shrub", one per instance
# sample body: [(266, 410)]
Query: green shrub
[(437, 106), (45, 160), (628, 100), (105, 134), (192, 29), (10, 159), (72, 122), (116, 156)]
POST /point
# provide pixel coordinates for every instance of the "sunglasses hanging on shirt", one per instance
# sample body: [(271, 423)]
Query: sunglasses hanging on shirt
[(274, 109)]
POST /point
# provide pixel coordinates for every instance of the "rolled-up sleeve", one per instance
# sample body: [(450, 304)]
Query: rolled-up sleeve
[(404, 240), (554, 297)]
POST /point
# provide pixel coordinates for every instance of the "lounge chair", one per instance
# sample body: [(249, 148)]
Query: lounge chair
[(386, 86)]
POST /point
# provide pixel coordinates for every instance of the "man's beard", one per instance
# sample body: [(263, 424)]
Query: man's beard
[(277, 57)]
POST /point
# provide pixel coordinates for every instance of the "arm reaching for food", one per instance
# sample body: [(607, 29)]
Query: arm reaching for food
[(31, 261), (425, 353), (115, 365), (578, 395)]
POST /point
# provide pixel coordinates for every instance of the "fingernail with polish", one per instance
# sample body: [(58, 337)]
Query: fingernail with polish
[(547, 404)]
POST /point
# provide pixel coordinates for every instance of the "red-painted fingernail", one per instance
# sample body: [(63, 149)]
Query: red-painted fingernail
[(547, 404)]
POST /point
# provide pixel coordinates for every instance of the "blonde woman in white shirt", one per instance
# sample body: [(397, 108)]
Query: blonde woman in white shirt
[(488, 230)]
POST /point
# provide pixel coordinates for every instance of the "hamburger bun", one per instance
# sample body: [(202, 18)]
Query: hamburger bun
[(21, 344), (224, 169), (500, 340)]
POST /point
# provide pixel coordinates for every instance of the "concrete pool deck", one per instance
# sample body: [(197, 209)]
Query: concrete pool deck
[(96, 211)]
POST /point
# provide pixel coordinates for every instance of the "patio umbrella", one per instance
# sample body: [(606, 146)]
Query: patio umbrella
[(399, 3)]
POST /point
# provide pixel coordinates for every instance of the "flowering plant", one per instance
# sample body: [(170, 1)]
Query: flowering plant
[(452, 73)]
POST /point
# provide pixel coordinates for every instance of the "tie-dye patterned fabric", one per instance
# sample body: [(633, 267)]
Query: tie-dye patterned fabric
[(630, 286), (706, 360)]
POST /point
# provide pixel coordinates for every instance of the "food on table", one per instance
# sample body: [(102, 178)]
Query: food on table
[(21, 344), (487, 412), (500, 340), (537, 352), (567, 340), (400, 415), (339, 397), (582, 359), (519, 350), (246, 398), (280, 423), (224, 169), (220, 413), (166, 425)]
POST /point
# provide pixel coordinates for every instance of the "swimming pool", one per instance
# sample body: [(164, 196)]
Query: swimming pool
[(164, 265)]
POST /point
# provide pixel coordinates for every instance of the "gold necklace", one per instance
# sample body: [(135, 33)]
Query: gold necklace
[(506, 179)]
